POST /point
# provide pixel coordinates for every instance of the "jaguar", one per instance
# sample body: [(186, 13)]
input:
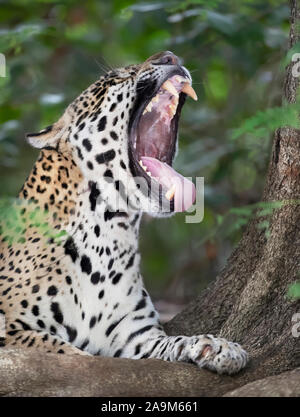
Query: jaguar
[(104, 163)]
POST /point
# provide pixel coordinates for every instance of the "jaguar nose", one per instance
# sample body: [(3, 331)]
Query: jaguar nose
[(165, 58)]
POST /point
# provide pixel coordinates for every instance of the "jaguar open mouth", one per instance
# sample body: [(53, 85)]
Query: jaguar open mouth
[(153, 137)]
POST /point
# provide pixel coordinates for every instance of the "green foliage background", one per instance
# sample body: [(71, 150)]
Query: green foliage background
[(236, 52)]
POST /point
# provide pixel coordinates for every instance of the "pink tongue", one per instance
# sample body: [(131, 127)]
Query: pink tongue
[(185, 191)]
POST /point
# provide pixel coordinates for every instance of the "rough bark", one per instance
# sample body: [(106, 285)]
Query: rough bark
[(286, 384), (32, 373), (247, 303)]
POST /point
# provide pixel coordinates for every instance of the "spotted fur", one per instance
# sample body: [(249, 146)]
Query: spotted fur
[(83, 293)]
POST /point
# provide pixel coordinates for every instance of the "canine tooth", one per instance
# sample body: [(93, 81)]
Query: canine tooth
[(155, 99), (167, 85), (188, 89), (170, 193)]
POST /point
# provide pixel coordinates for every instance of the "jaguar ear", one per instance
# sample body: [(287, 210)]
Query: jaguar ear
[(50, 136)]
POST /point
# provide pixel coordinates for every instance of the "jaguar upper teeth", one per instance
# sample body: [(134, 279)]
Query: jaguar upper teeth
[(150, 104), (173, 108), (175, 101), (145, 168), (142, 165), (148, 108), (188, 89), (167, 85), (180, 79)]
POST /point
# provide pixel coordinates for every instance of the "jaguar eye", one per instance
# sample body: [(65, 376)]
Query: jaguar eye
[(167, 58)]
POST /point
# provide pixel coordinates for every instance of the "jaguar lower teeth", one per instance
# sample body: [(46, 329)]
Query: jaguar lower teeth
[(180, 79), (170, 193), (173, 108), (145, 168)]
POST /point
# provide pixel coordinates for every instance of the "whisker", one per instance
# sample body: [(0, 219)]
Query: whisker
[(102, 67), (106, 63)]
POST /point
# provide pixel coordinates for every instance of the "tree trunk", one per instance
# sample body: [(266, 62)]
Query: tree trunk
[(247, 303)]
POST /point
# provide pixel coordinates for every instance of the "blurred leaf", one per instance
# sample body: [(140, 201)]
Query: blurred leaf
[(264, 122), (149, 7), (217, 82), (243, 175), (294, 291), (275, 37), (183, 5)]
